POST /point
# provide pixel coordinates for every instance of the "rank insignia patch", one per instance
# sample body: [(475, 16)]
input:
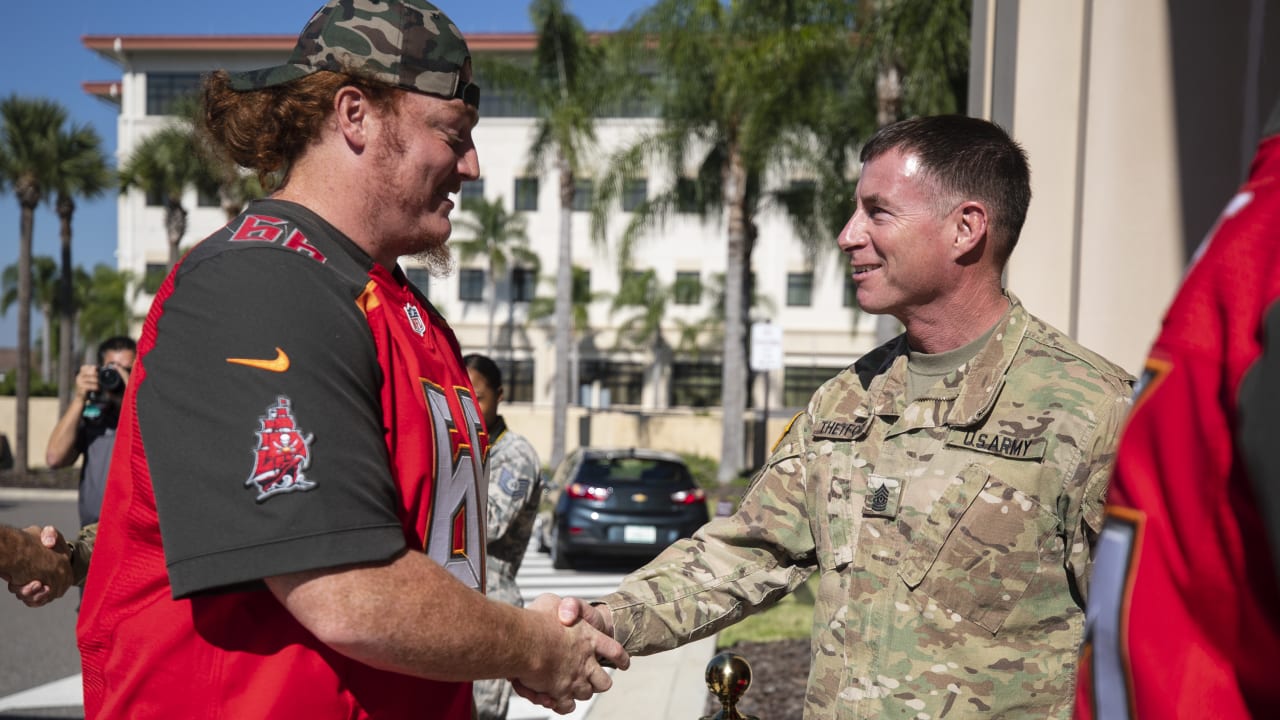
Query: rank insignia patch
[(282, 455), (882, 497)]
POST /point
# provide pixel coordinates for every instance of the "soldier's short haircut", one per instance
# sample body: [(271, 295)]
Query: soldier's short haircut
[(967, 158)]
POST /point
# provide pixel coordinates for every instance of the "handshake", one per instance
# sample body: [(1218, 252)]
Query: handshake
[(580, 646)]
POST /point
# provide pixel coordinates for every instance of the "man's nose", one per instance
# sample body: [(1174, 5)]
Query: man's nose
[(853, 235), (469, 164)]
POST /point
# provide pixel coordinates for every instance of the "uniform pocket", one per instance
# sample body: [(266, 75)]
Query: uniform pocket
[(979, 548), (837, 496)]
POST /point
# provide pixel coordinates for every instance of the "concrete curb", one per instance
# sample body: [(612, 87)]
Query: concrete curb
[(37, 494)]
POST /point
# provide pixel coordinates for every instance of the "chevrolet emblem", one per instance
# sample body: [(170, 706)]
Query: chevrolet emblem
[(639, 497)]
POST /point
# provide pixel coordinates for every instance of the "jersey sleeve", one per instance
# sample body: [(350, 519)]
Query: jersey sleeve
[(259, 412)]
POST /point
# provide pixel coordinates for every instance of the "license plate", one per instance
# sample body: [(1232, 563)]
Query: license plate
[(640, 534)]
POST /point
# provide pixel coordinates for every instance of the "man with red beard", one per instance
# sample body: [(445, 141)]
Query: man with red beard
[(294, 521)]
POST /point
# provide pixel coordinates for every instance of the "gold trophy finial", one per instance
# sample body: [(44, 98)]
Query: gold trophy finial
[(728, 677)]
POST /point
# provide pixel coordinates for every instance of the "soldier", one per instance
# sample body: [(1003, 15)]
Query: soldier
[(293, 523), (947, 488), (515, 489)]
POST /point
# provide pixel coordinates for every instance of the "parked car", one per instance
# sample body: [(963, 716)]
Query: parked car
[(618, 503)]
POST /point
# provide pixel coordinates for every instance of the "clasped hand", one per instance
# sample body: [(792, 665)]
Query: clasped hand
[(574, 670)]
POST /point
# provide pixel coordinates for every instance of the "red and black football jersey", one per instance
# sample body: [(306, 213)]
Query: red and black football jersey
[(1183, 614), (294, 406)]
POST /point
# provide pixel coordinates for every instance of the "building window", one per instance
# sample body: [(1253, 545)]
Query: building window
[(686, 195), (517, 379), (155, 197), (581, 283), (208, 197), (527, 194), (623, 381), (471, 285), (799, 383), (799, 289), (695, 385), (850, 292), (154, 276), (688, 288), (582, 190), (524, 282), (419, 278), (166, 90), (634, 194), (472, 190)]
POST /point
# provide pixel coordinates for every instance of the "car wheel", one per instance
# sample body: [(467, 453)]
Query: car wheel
[(560, 559)]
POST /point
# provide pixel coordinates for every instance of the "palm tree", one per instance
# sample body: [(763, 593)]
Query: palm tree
[(740, 81), (164, 165), (103, 299), (917, 52), (646, 298), (44, 297), (82, 172), (497, 236), (567, 83), (580, 300), (28, 164)]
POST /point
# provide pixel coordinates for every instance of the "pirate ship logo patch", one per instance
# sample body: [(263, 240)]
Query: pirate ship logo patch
[(282, 455)]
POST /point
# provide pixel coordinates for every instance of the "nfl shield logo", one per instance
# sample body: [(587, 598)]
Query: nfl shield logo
[(415, 318)]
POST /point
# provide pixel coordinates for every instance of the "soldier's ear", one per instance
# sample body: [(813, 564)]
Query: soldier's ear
[(971, 226)]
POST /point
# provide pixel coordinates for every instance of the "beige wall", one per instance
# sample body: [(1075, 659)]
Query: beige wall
[(1138, 117), (43, 415)]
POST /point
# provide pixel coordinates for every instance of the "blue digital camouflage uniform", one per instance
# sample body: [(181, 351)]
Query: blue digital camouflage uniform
[(952, 536), (515, 489)]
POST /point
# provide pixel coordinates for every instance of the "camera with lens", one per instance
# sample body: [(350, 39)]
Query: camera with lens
[(103, 404), (110, 380)]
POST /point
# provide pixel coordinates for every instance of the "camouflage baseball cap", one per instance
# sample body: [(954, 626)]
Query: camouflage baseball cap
[(407, 43)]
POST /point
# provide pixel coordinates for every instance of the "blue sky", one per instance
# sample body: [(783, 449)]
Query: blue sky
[(43, 57)]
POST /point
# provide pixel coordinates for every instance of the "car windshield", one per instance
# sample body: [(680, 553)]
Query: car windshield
[(637, 470)]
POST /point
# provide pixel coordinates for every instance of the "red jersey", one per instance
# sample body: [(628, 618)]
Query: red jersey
[(294, 406), (1183, 618)]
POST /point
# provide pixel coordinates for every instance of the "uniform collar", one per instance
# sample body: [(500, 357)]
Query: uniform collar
[(961, 398)]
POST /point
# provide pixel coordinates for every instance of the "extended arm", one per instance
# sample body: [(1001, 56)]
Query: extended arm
[(62, 449), (450, 632)]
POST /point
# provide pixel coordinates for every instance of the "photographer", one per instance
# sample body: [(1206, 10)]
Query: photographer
[(89, 424)]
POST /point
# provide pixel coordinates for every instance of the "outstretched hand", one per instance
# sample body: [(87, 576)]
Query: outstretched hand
[(576, 671)]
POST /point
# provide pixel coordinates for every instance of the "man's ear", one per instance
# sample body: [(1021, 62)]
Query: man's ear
[(971, 226), (351, 112)]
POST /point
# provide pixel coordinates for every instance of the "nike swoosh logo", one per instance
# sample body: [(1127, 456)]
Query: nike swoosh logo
[(278, 364)]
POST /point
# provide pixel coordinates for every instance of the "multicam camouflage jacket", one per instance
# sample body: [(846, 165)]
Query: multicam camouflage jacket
[(952, 536), (81, 552), (515, 489)]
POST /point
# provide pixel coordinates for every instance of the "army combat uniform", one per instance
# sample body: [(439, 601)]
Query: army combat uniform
[(951, 535), (515, 489)]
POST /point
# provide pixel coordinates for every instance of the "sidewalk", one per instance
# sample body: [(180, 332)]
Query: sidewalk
[(666, 686), (670, 685)]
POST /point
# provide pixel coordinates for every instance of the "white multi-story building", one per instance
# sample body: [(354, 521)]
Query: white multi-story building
[(1139, 117), (808, 296)]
